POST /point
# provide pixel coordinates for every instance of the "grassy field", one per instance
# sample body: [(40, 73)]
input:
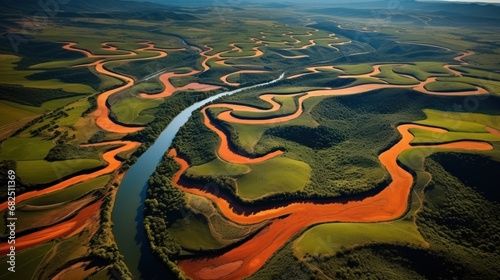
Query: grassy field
[(193, 233), (31, 260), (13, 77), (222, 229), (413, 71), (133, 110), (34, 148), (491, 85), (14, 112), (440, 86), (387, 74), (461, 122), (42, 172), (470, 126), (278, 175), (355, 69), (70, 193), (218, 167), (328, 239)]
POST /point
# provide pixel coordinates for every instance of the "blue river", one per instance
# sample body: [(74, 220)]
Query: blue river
[(128, 209)]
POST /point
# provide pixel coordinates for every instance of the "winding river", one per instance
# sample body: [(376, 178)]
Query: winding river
[(247, 258), (129, 204)]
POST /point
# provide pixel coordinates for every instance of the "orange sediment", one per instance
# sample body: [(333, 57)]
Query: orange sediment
[(109, 157), (493, 130), (171, 89), (64, 229), (228, 117), (89, 213), (287, 221), (102, 111), (225, 152)]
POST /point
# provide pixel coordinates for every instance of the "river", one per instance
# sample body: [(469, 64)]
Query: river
[(128, 209)]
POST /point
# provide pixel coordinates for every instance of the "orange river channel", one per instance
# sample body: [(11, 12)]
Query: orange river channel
[(287, 221)]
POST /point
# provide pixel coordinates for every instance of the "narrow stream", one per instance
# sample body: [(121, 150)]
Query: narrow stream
[(128, 213)]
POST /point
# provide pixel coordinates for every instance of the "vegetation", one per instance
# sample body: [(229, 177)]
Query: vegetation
[(69, 194), (449, 87), (328, 239), (318, 138), (35, 172), (135, 110), (48, 98), (166, 199)]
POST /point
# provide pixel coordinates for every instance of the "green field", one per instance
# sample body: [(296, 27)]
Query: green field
[(357, 69), (16, 148), (440, 86), (328, 239), (219, 168), (11, 77), (36, 172), (464, 122), (32, 260), (70, 193), (278, 175), (17, 112), (193, 233), (133, 110), (387, 74)]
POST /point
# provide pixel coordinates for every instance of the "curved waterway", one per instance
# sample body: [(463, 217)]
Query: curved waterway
[(129, 205)]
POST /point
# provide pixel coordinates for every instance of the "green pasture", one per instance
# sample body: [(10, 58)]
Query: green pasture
[(249, 135), (441, 86), (29, 262), (433, 68), (149, 86), (36, 172), (489, 60), (444, 36), (12, 112), (10, 76), (23, 149), (70, 193), (413, 71), (222, 229), (183, 80), (193, 233), (74, 112), (460, 122), (58, 103), (277, 175), (388, 75), (132, 110), (63, 63), (355, 69), (478, 73), (217, 167), (490, 85), (328, 239), (424, 136)]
